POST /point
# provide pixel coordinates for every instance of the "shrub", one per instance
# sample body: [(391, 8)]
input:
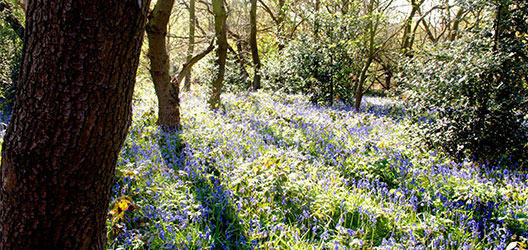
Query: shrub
[(10, 53), (320, 66), (236, 77), (472, 98)]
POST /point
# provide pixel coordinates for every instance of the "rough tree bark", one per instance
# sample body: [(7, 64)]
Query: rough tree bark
[(168, 94), (221, 51), (253, 44), (70, 119), (190, 50)]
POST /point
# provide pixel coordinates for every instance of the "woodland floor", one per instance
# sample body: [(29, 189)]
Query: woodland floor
[(272, 171)]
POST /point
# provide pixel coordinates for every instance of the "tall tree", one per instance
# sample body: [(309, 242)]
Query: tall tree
[(372, 25), (374, 45), (253, 44), (168, 94), (220, 16), (70, 119), (190, 50)]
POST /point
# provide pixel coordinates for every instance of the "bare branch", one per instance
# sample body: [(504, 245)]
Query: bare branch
[(186, 68)]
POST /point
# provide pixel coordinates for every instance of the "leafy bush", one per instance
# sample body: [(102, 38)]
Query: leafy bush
[(236, 77), (319, 69), (473, 102), (320, 66), (10, 53)]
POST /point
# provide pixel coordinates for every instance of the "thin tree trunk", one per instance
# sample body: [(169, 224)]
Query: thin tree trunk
[(240, 55), (70, 119), (371, 27), (242, 63), (426, 27), (221, 51), (502, 10), (168, 99), (190, 51), (428, 32), (280, 25), (407, 31), (253, 44), (456, 24), (361, 83), (316, 21)]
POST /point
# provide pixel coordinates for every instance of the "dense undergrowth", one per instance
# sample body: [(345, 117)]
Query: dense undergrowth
[(273, 171)]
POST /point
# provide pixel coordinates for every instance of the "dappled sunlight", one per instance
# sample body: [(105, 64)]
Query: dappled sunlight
[(274, 171)]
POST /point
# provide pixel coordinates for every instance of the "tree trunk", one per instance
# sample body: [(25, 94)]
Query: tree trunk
[(361, 83), (253, 44), (501, 13), (407, 31), (70, 119), (388, 79), (241, 61), (456, 24), (221, 51), (240, 55), (280, 26), (190, 51), (168, 99), (371, 28), (316, 20)]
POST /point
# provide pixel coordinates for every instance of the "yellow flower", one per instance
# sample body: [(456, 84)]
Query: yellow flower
[(123, 205), (133, 175)]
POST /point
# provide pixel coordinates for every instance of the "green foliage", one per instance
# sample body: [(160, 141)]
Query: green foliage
[(272, 171), (319, 69), (470, 98), (236, 77), (320, 65), (10, 53)]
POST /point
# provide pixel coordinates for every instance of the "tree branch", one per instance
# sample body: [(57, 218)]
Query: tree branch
[(268, 10), (176, 80)]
